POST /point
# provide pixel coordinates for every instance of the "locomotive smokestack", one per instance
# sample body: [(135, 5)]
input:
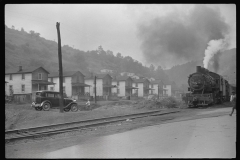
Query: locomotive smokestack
[(198, 68)]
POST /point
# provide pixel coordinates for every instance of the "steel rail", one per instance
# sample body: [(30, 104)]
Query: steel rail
[(74, 122), (67, 129)]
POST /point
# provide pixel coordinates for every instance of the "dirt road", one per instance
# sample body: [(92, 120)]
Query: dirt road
[(182, 137)]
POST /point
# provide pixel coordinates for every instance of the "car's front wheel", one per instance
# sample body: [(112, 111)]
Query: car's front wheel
[(74, 108), (46, 106)]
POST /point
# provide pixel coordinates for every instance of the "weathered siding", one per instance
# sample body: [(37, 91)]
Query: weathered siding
[(91, 83), (67, 84), (155, 87), (99, 87), (140, 89), (17, 83), (37, 71), (78, 77), (168, 91), (121, 89)]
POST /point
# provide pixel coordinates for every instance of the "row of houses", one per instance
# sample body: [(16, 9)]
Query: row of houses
[(22, 82)]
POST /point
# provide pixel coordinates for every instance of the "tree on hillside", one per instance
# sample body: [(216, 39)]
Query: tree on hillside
[(152, 68), (119, 55)]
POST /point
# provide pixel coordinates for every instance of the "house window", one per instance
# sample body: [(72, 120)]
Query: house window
[(23, 88), (64, 89), (40, 76), (23, 76), (118, 83), (136, 84), (117, 91), (51, 88), (10, 78), (51, 79)]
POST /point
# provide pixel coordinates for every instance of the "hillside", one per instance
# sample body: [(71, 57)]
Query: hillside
[(30, 49)]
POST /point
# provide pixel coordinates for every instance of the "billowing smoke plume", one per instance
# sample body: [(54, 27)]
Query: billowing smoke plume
[(214, 46), (215, 59), (176, 38)]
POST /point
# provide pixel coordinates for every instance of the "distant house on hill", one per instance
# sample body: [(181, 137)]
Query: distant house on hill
[(73, 84), (124, 86), (103, 85), (23, 81), (143, 87), (106, 71)]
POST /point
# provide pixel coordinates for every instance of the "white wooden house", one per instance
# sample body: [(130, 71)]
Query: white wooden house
[(124, 86), (143, 87), (157, 87), (167, 88), (103, 85), (23, 81), (73, 84)]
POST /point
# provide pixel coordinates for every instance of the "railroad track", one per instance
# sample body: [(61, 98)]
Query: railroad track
[(42, 131)]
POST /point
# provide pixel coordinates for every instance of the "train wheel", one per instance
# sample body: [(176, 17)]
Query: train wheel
[(74, 108)]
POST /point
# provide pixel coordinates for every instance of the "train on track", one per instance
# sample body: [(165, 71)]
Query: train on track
[(207, 88)]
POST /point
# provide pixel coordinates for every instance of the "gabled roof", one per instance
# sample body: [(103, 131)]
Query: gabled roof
[(141, 80), (156, 82), (166, 82), (121, 78), (24, 70), (65, 74), (99, 76)]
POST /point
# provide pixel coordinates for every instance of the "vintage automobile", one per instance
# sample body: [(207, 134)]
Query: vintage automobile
[(44, 100)]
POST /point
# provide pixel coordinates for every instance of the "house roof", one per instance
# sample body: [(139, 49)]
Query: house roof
[(165, 82), (156, 82), (99, 76), (24, 70), (121, 78), (65, 74), (140, 80)]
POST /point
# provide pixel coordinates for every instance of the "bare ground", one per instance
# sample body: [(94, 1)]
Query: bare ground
[(23, 115)]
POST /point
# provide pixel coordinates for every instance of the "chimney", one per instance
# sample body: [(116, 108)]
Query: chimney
[(20, 68), (198, 69)]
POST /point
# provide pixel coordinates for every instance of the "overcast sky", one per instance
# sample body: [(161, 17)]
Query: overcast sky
[(160, 34)]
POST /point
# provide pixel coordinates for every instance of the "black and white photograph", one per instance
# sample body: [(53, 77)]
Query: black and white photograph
[(120, 81)]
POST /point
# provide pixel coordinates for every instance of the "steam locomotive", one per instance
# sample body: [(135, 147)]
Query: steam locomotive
[(207, 88)]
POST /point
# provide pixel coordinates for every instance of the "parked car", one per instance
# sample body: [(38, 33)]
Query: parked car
[(44, 100)]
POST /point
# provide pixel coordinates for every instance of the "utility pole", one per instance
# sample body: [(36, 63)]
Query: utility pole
[(60, 68), (95, 89)]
